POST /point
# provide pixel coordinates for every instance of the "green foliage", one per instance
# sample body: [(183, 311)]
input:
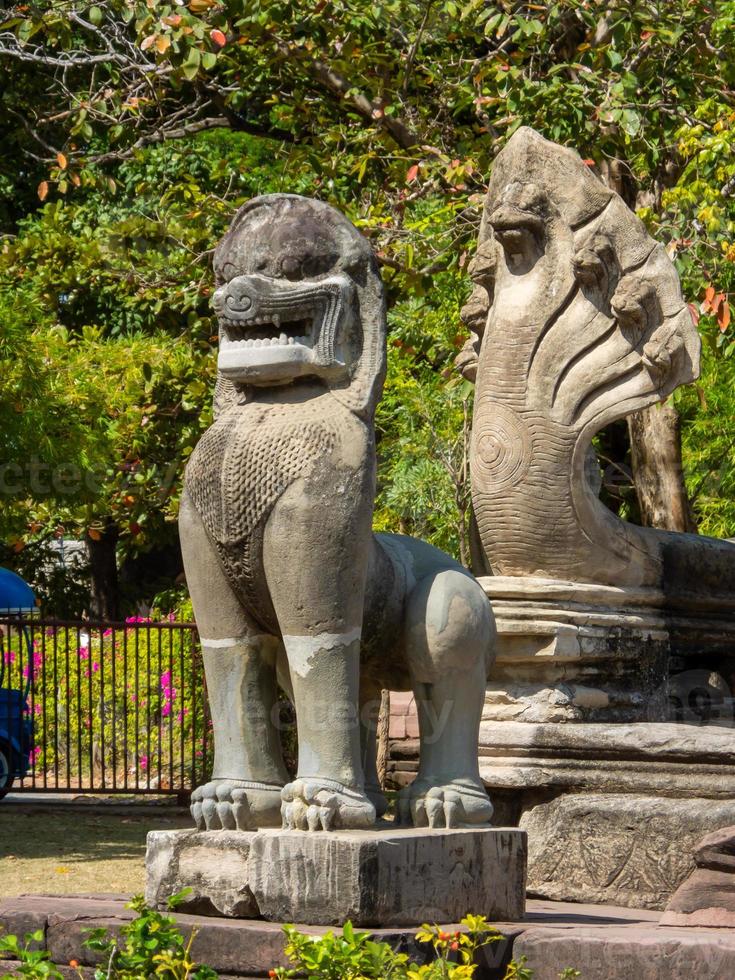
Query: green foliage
[(34, 962), (150, 946), (355, 956), (708, 444), (423, 422), (517, 970)]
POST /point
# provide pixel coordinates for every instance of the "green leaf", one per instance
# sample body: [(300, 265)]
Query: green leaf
[(190, 67), (631, 122)]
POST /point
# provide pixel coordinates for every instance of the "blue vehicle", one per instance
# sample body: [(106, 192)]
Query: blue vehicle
[(16, 726)]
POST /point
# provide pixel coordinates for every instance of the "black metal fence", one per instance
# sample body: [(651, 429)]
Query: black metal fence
[(94, 707)]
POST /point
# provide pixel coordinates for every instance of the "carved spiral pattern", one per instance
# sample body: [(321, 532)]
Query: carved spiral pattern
[(501, 448)]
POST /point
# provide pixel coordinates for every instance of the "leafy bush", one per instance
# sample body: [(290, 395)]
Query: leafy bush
[(34, 963), (355, 956), (149, 946)]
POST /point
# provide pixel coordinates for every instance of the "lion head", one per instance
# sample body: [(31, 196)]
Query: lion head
[(299, 295)]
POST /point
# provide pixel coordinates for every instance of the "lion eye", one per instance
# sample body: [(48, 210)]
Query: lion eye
[(290, 266)]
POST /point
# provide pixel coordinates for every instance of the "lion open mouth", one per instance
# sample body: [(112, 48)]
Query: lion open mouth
[(266, 331), (275, 331)]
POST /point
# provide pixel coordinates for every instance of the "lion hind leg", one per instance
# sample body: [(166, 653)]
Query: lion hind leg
[(449, 644), (369, 718)]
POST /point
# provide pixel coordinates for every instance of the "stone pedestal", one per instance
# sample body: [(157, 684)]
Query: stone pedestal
[(382, 877), (569, 652), (576, 652), (607, 733)]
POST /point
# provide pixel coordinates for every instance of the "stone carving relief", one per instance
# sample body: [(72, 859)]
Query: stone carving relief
[(577, 319)]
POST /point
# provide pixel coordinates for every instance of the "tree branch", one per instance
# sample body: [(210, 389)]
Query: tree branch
[(162, 136)]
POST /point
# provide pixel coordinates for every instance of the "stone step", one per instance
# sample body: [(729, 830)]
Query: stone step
[(601, 941)]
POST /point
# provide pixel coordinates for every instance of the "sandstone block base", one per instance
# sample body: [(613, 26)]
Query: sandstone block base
[(381, 877), (213, 864), (389, 877)]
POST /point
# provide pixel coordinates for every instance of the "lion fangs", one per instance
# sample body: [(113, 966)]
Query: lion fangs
[(283, 339), (277, 321)]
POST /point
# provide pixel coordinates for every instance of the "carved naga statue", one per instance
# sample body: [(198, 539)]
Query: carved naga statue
[(288, 582), (577, 320)]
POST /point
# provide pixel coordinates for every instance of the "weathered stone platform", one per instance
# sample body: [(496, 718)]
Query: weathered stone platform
[(601, 941), (383, 877)]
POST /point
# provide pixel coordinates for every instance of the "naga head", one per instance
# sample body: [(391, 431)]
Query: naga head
[(569, 277), (299, 295)]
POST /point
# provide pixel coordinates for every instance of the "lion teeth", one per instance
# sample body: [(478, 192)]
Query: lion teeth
[(282, 340)]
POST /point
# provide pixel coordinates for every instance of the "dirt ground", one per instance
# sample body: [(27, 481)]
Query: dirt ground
[(76, 849)]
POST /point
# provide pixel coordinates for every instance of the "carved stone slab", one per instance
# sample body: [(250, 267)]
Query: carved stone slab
[(383, 877), (625, 849), (389, 877)]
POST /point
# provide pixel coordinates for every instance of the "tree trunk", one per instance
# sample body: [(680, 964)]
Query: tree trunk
[(104, 592), (655, 432), (655, 440), (383, 734)]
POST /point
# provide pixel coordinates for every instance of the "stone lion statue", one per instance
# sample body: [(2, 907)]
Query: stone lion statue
[(289, 584)]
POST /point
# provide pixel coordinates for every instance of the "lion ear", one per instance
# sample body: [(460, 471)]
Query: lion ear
[(362, 391)]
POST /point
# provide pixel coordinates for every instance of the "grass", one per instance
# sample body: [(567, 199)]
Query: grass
[(76, 850)]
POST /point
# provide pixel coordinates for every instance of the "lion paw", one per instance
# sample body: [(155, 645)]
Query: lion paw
[(323, 804), (463, 803), (235, 804)]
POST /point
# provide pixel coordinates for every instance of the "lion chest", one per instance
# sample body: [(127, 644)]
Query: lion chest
[(240, 468)]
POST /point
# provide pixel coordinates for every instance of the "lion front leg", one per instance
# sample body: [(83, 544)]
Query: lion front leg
[(244, 792), (316, 549)]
